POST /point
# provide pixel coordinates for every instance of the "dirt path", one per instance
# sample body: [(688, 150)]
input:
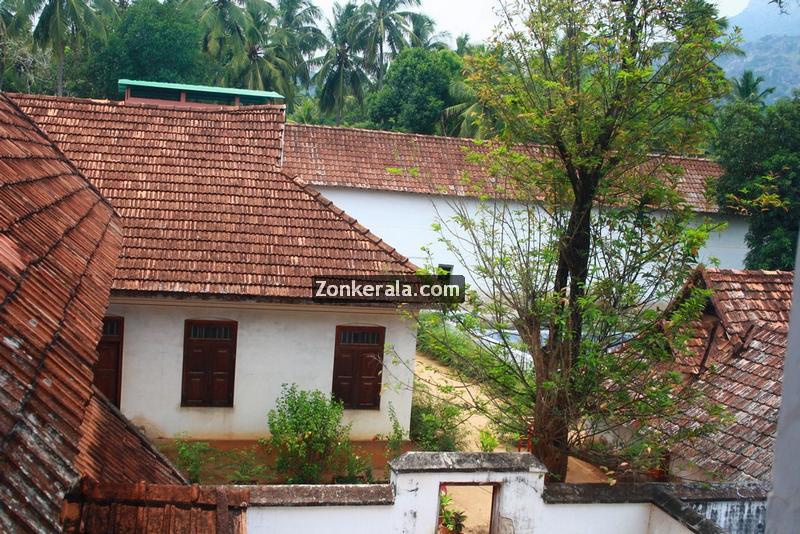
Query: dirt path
[(476, 501)]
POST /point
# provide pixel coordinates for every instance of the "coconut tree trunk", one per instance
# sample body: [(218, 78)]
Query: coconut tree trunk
[(380, 63), (60, 72)]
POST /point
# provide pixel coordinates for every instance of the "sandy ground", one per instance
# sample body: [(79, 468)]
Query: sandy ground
[(476, 501)]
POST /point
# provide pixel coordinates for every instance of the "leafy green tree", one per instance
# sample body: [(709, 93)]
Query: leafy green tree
[(759, 149), (416, 91), (386, 23), (341, 73), (597, 235), (59, 24), (152, 41), (747, 88)]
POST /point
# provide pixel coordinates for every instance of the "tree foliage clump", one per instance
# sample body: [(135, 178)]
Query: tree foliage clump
[(416, 92), (595, 238), (151, 41), (759, 148)]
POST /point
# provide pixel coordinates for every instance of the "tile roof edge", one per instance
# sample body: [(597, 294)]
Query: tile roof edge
[(63, 157), (143, 439), (468, 140), (359, 228), (145, 105)]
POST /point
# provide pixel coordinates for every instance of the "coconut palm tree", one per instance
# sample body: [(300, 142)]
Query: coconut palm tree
[(747, 88), (262, 63), (297, 21), (59, 23), (225, 25), (385, 24), (423, 33), (341, 71)]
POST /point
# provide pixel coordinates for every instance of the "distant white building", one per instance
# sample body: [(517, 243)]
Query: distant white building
[(398, 185)]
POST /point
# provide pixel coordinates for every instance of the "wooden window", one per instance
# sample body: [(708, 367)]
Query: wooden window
[(357, 366), (209, 361), (108, 370)]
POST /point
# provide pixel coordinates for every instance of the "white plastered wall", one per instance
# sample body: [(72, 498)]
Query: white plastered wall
[(405, 220), (277, 344)]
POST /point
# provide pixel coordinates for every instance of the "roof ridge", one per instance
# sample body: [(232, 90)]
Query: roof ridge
[(146, 105), (358, 227), (387, 132)]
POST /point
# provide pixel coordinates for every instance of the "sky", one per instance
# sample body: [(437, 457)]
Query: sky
[(476, 17)]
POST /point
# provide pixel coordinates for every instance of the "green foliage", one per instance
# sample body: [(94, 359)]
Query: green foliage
[(192, 456), (342, 73), (747, 88), (308, 437), (152, 41), (488, 441), (394, 441), (450, 518), (759, 148), (436, 425), (245, 468), (416, 91), (570, 278)]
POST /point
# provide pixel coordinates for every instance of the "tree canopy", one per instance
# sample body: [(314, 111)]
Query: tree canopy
[(416, 92), (759, 148), (572, 268)]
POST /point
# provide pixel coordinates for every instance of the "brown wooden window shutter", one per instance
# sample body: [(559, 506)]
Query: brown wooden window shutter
[(358, 366), (108, 369), (209, 363)]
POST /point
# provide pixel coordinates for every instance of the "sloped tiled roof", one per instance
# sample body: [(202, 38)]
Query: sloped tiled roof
[(741, 348), (204, 210), (112, 449), (59, 242), (426, 164)]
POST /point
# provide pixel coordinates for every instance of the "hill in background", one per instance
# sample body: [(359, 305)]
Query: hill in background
[(771, 44)]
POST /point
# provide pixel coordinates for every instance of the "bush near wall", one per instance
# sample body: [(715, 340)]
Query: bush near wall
[(436, 424), (310, 441)]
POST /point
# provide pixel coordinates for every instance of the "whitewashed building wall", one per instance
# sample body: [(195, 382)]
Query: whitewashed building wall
[(405, 220), (277, 344)]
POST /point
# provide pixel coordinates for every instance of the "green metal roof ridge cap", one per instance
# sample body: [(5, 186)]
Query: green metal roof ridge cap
[(123, 83)]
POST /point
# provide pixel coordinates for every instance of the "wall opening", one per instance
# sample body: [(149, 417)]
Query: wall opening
[(470, 504)]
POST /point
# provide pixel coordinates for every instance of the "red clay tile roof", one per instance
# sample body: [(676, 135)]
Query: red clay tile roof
[(426, 164), (144, 509), (112, 449), (204, 210), (741, 370), (59, 242)]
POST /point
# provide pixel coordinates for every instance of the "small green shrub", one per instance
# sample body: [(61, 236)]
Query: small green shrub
[(308, 437), (394, 441), (436, 425), (192, 456), (450, 518), (488, 441), (245, 467)]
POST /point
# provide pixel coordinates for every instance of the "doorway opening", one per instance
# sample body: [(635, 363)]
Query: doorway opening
[(467, 508)]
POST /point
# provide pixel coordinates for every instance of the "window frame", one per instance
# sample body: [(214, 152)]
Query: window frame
[(118, 338), (381, 345), (208, 401)]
